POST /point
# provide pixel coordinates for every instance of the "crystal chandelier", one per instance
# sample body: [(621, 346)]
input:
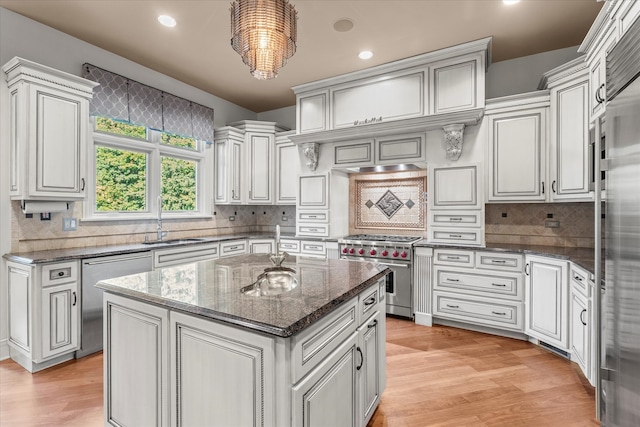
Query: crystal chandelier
[(264, 33)]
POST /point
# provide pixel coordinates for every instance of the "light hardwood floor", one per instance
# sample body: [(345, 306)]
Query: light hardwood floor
[(436, 376)]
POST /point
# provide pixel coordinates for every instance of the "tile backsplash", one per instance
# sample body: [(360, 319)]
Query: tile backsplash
[(33, 234), (525, 224)]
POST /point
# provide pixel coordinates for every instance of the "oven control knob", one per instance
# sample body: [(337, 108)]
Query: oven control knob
[(403, 254), (394, 254), (351, 251), (360, 251), (385, 253), (345, 250), (372, 252)]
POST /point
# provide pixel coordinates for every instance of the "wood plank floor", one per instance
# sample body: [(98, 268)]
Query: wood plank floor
[(436, 376)]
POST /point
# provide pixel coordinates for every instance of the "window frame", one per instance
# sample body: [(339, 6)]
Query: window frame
[(153, 147)]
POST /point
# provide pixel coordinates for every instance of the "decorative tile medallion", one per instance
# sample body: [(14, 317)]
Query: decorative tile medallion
[(395, 207)]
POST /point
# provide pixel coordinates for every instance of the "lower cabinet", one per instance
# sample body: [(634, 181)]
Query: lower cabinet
[(582, 322), (233, 247), (44, 308), (261, 246), (371, 351), (547, 300)]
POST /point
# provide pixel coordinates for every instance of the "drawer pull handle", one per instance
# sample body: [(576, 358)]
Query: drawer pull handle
[(455, 236), (370, 301), (453, 306), (233, 248), (372, 324), (453, 257), (449, 279), (313, 229), (75, 301), (578, 278), (499, 313), (312, 216), (499, 284), (60, 273), (361, 359), (498, 261), (455, 219), (584, 310)]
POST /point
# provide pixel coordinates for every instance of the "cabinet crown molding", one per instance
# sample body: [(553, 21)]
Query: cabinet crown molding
[(557, 75)]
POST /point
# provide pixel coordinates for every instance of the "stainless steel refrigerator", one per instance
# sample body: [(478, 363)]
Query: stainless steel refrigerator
[(620, 309)]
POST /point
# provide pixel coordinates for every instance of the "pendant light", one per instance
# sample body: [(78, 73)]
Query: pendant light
[(264, 34)]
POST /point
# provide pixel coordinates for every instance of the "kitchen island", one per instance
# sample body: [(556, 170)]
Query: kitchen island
[(185, 346)]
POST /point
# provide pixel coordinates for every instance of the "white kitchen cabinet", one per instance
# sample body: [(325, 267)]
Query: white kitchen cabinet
[(233, 247), (185, 254), (582, 322), (517, 147), (354, 154), (455, 84), (312, 112), (261, 246), (568, 131), (43, 313), (547, 300), (287, 169), (260, 162), (49, 132), (322, 208), (369, 376), (229, 162), (422, 279), (456, 210)]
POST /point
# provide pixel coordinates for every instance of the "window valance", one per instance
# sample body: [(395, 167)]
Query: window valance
[(120, 98)]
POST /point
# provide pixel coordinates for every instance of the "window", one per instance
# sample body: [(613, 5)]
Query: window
[(132, 165)]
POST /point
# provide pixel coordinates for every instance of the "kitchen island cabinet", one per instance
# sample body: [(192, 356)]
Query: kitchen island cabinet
[(185, 341)]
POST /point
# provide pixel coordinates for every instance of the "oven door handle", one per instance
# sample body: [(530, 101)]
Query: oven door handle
[(391, 264)]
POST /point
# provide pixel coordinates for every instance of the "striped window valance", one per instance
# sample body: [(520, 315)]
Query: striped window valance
[(120, 98)]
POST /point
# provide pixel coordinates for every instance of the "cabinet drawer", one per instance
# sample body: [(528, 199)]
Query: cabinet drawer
[(367, 302), (312, 345), (478, 310), (498, 261), (453, 257), (313, 248), (507, 286), (320, 230), (580, 280), (193, 253), (317, 216), (456, 236), (235, 247), (290, 246), (55, 274), (456, 218)]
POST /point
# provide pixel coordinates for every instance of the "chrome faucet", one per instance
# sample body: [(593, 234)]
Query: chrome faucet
[(161, 233), (277, 258)]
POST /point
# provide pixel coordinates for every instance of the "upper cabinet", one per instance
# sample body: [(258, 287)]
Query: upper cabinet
[(245, 164), (49, 131), (420, 93), (287, 169), (517, 140)]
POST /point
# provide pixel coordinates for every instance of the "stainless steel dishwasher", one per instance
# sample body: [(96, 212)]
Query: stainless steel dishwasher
[(94, 270)]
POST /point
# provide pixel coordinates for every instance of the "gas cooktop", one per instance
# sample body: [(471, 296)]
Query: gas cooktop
[(380, 238)]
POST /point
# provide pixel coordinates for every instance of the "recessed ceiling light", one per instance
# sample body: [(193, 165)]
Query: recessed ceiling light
[(167, 21), (510, 1), (365, 54)]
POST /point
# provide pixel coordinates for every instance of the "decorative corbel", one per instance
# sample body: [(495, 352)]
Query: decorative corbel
[(453, 137), (311, 151)]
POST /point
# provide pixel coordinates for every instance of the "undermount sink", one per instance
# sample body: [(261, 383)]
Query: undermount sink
[(274, 281), (174, 241)]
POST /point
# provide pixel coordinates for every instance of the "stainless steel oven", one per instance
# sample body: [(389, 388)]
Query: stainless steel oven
[(394, 252)]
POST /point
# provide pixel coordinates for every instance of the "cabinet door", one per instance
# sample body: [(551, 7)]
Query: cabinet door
[(288, 169), (20, 306), (59, 319), (228, 172), (581, 332), (312, 192), (261, 246), (569, 148), (517, 144), (546, 289), (454, 187), (235, 173), (260, 167), (455, 86), (58, 130), (327, 396), (368, 369), (598, 75), (313, 112)]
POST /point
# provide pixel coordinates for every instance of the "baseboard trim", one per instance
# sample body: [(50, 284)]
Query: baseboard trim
[(4, 349), (424, 319), (481, 328)]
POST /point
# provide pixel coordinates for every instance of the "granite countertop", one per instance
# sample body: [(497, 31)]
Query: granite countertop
[(212, 289), (59, 255), (584, 257)]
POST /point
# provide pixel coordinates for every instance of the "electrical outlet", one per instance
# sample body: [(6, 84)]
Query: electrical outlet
[(284, 218), (69, 224), (232, 218), (552, 223)]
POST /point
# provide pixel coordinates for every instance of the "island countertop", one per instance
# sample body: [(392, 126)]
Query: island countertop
[(212, 289)]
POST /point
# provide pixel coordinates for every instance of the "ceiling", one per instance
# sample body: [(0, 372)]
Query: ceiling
[(197, 51)]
